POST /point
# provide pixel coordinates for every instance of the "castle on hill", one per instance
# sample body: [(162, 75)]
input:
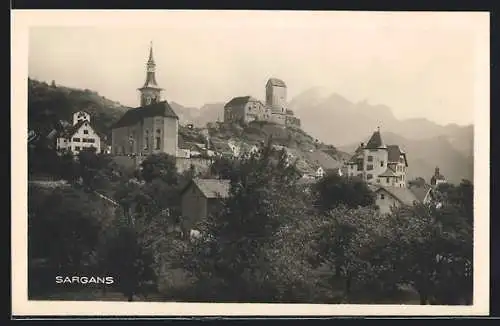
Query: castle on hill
[(245, 109)]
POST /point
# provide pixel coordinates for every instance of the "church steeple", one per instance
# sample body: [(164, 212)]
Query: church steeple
[(150, 91)]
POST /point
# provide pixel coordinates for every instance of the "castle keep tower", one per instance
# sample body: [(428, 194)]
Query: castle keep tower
[(150, 91)]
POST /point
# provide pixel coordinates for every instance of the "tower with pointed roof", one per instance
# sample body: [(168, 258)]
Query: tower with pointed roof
[(150, 91), (378, 163), (152, 127)]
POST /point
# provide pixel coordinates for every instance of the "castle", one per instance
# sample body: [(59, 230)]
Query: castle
[(245, 109)]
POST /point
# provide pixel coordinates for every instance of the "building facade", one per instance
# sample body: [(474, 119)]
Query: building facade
[(151, 128), (378, 163), (247, 109), (200, 198), (437, 178), (79, 135)]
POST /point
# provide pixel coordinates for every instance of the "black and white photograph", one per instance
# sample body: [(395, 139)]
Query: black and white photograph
[(328, 159)]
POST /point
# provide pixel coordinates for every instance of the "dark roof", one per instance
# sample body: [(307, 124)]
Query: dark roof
[(211, 188), (394, 153), (133, 116), (276, 82), (375, 141), (388, 173), (73, 129), (240, 100), (420, 191)]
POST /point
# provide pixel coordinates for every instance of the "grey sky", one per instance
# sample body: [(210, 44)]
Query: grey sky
[(420, 65)]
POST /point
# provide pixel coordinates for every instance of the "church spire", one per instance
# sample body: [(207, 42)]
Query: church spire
[(151, 59), (150, 91)]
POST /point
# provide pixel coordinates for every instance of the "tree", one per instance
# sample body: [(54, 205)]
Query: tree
[(343, 244), (235, 261), (431, 249), (333, 190), (160, 166), (64, 227)]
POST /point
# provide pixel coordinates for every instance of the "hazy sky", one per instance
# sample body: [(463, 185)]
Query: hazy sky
[(419, 64)]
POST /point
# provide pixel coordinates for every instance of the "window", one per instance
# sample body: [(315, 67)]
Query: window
[(378, 180), (86, 132), (387, 179), (369, 167), (157, 143), (146, 140), (77, 148), (382, 196), (381, 163), (369, 177), (370, 158), (90, 140), (76, 139)]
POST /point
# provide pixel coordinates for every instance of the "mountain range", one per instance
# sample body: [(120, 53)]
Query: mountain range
[(327, 116)]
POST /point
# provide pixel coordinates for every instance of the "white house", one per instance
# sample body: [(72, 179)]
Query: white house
[(379, 164), (80, 135)]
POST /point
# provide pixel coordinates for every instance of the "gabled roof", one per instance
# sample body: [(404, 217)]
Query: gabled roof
[(394, 153), (221, 146), (276, 82), (402, 194), (211, 188), (70, 131), (388, 173), (240, 100), (375, 141), (420, 191), (133, 116)]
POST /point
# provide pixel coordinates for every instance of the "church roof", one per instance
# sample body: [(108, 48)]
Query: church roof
[(375, 141), (240, 100), (276, 82), (133, 116)]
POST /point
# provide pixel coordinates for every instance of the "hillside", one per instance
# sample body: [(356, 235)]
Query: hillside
[(325, 115), (62, 102)]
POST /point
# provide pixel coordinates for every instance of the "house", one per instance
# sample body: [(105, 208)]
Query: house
[(378, 163), (79, 135), (222, 148), (437, 178), (245, 109), (393, 196), (200, 197), (151, 128)]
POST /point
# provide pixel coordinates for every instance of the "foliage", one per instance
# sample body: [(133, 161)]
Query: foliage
[(64, 226), (160, 166), (333, 190), (236, 262)]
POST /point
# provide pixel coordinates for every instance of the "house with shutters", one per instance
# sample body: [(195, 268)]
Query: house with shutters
[(79, 135)]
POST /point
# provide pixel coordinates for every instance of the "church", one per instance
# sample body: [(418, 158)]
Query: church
[(152, 127)]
